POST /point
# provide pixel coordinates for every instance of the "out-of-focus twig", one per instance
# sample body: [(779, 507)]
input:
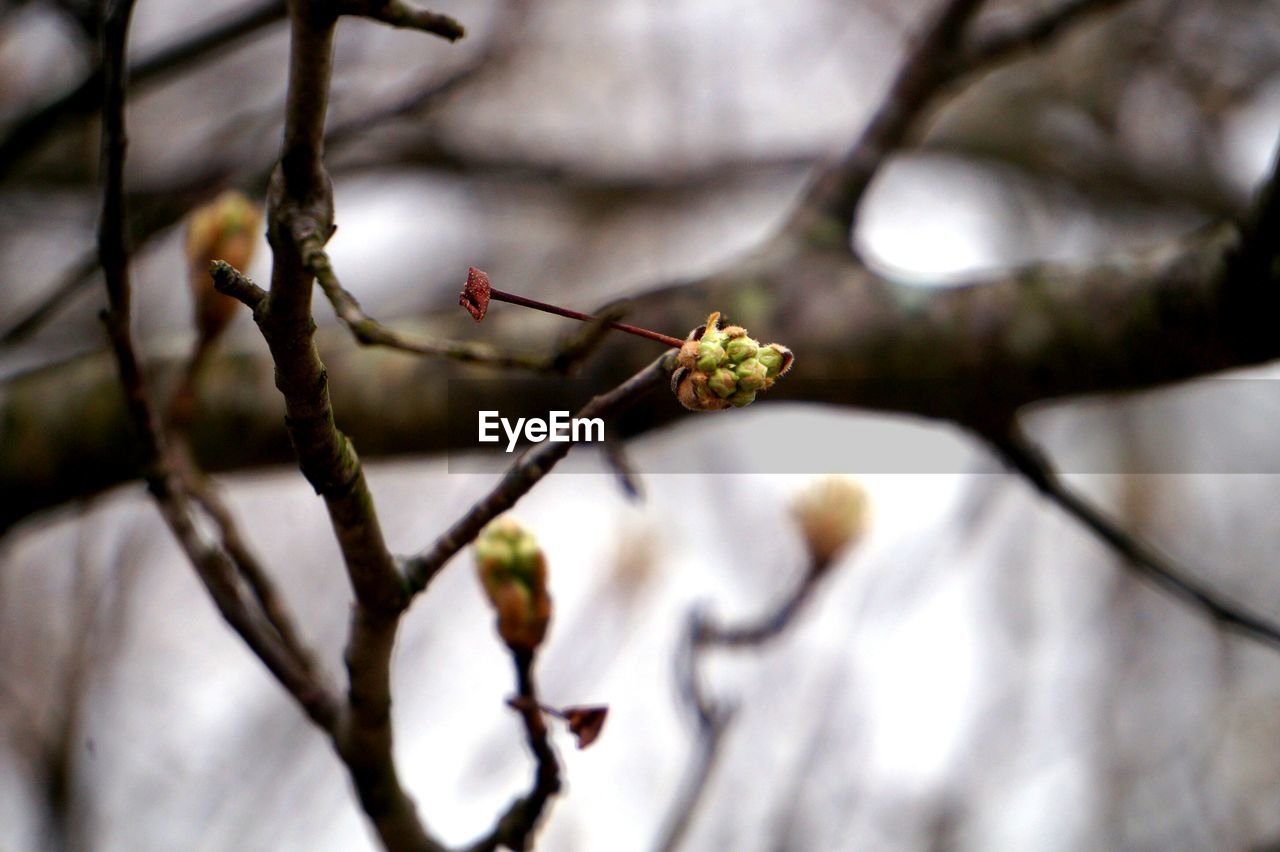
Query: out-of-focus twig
[(832, 516), (942, 54), (713, 717), (30, 130), (213, 565), (1024, 458), (986, 49)]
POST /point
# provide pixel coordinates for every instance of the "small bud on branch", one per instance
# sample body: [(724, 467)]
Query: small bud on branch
[(832, 514), (513, 572)]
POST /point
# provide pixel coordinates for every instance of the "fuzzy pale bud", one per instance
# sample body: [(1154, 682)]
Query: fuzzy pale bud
[(832, 514), (225, 229), (513, 572), (722, 367)]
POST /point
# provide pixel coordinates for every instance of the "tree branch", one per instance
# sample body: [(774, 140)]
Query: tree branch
[(213, 565), (30, 130), (828, 209), (527, 471), (515, 827), (300, 213), (403, 16), (713, 718), (1149, 563), (969, 354)]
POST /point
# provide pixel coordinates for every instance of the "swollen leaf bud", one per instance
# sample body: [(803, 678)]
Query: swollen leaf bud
[(741, 348), (751, 375), (710, 355), (723, 382), (513, 572), (771, 358)]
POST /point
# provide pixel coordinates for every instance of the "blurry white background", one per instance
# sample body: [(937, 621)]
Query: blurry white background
[(980, 673)]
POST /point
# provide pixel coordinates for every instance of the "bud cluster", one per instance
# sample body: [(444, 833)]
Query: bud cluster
[(723, 367), (513, 572)]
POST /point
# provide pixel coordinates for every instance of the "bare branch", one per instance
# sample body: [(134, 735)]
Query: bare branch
[(404, 16), (1154, 566), (527, 471), (515, 828), (29, 131), (714, 717), (369, 332), (987, 49), (828, 209), (211, 562), (300, 214)]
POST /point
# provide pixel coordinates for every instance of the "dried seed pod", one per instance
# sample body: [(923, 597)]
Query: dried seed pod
[(722, 367), (513, 572)]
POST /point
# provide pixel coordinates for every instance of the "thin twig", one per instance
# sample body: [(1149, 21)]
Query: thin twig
[(827, 211), (404, 16), (527, 471), (713, 717), (1018, 452), (212, 564), (28, 131), (370, 332), (987, 49)]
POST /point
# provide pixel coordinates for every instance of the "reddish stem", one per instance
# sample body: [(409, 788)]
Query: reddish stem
[(477, 293), (578, 315)]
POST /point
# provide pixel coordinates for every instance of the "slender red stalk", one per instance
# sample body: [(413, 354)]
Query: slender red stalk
[(478, 291)]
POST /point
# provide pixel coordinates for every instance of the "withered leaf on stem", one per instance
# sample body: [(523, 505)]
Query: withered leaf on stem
[(585, 723), (475, 293)]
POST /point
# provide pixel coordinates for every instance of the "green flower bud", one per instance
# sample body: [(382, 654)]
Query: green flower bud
[(710, 355), (741, 348), (776, 358), (723, 382), (752, 375), (771, 358), (742, 398)]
